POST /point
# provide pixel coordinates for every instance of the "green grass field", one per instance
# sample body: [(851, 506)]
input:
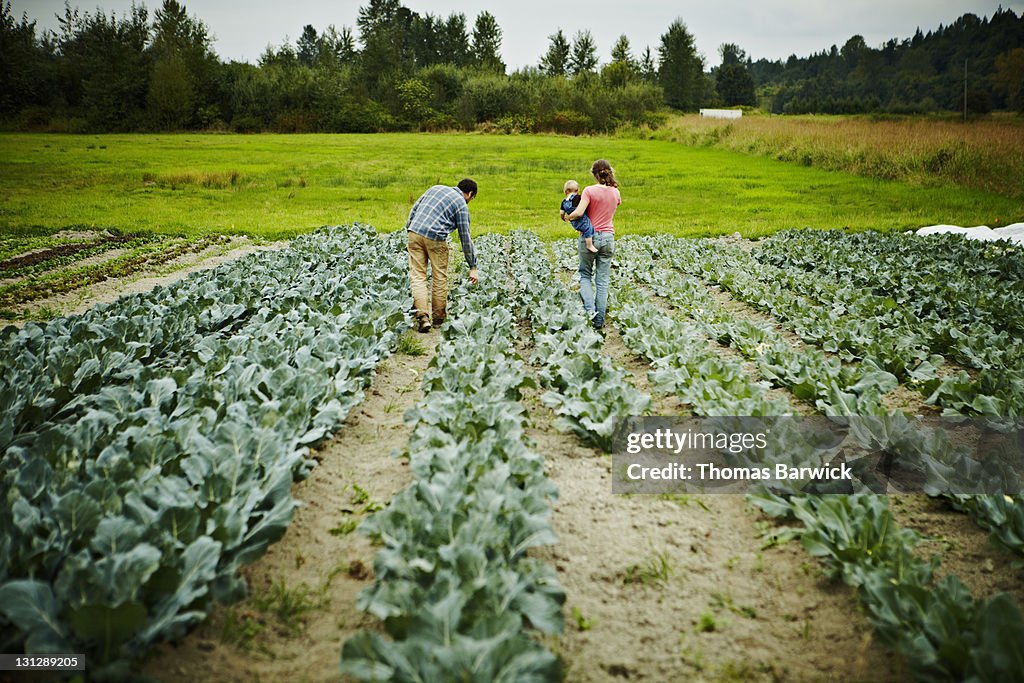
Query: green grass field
[(277, 186)]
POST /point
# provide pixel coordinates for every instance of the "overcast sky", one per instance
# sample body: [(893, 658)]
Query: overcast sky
[(773, 29)]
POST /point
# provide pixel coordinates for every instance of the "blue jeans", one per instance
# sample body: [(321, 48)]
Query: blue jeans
[(595, 272)]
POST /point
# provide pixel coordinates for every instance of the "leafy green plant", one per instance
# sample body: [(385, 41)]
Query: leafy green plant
[(589, 394), (240, 628), (1002, 515), (684, 499), (725, 601), (347, 526), (942, 632)]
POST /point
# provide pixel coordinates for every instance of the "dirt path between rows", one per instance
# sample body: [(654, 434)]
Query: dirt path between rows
[(680, 588), (964, 548), (303, 591)]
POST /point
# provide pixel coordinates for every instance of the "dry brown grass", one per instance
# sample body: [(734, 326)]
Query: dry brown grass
[(986, 154)]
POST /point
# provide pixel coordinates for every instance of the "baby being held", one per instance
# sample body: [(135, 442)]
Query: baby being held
[(582, 224)]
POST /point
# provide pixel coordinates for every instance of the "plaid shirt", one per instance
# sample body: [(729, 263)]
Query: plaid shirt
[(437, 212)]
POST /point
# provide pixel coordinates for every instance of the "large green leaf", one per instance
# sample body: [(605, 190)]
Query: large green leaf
[(998, 655), (108, 627), (32, 607)]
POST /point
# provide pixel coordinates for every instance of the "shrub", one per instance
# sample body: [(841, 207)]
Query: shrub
[(246, 124)]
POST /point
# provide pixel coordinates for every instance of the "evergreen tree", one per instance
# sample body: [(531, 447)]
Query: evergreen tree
[(487, 43), (335, 48), (918, 74), (187, 70), (381, 35), (20, 67), (425, 40), (307, 47), (583, 57), (376, 16), (621, 52), (555, 61), (623, 69), (681, 71), (455, 47), (732, 54), (648, 70)]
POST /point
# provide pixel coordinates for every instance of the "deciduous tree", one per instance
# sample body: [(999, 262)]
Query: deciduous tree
[(735, 85), (170, 99), (19, 65), (1009, 77)]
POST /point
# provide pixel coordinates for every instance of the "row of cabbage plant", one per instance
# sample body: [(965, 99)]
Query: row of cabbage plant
[(129, 509), (835, 317), (588, 392), (459, 597), (806, 371)]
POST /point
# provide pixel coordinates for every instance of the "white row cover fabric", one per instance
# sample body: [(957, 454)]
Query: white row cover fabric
[(1014, 233)]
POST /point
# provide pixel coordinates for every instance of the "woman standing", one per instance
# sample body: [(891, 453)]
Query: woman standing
[(599, 203)]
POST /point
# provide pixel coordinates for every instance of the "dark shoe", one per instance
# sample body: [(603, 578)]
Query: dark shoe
[(423, 326), (438, 322), (598, 322)]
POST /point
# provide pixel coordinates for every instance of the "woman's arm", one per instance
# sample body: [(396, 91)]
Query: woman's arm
[(581, 209)]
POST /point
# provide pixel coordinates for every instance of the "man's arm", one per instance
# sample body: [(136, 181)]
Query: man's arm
[(462, 224)]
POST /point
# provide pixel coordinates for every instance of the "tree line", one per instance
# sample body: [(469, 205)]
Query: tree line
[(395, 70), (401, 70), (925, 73)]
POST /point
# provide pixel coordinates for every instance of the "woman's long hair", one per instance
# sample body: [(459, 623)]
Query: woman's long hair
[(604, 173)]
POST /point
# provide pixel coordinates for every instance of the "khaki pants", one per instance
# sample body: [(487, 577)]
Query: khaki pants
[(421, 252)]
